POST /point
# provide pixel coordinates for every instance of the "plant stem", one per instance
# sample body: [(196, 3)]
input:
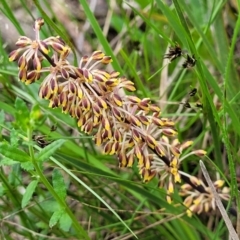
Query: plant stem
[(79, 230)]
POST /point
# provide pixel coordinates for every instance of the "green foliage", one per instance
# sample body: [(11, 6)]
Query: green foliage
[(29, 192), (45, 153), (59, 184), (55, 217), (65, 222), (11, 152), (21, 114)]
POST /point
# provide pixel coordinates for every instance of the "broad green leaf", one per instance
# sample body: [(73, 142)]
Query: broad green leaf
[(14, 138), (59, 184), (49, 150), (27, 166), (15, 175), (37, 118), (41, 225), (55, 217), (8, 108), (65, 222), (13, 153), (7, 162), (117, 23), (2, 117), (29, 192), (22, 114), (50, 206)]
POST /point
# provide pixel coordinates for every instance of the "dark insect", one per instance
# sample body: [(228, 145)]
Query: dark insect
[(193, 92), (53, 128), (41, 140), (190, 62), (199, 105), (174, 52), (187, 105)]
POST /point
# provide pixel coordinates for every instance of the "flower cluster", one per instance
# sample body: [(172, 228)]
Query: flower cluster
[(123, 125), (202, 201)]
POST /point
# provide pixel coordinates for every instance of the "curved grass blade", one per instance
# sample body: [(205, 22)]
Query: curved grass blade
[(90, 190), (102, 39), (49, 150)]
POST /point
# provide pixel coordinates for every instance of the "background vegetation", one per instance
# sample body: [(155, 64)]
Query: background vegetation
[(79, 193)]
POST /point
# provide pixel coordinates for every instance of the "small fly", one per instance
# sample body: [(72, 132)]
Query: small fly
[(41, 140), (174, 52), (193, 92), (190, 62)]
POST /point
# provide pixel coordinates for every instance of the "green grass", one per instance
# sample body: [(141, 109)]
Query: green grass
[(69, 189)]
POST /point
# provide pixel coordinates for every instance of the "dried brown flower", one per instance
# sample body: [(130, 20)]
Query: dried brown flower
[(198, 202)]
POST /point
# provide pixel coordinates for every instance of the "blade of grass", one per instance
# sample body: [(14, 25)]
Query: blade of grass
[(174, 22), (147, 19), (80, 232), (139, 83), (90, 190), (212, 113), (227, 221), (202, 34), (6, 10), (207, 100), (100, 36), (225, 109)]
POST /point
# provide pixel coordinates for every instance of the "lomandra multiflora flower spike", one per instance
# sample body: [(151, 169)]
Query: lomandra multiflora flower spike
[(198, 202), (123, 125)]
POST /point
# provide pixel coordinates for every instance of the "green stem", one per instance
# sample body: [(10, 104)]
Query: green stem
[(79, 230), (13, 197)]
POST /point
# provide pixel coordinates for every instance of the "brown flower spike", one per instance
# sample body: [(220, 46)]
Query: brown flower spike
[(199, 202)]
